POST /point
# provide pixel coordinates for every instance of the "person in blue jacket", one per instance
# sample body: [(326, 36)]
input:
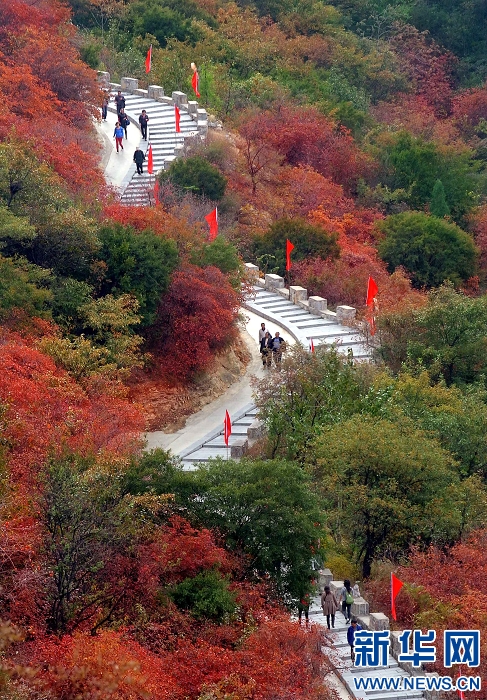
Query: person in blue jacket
[(118, 135), (354, 626)]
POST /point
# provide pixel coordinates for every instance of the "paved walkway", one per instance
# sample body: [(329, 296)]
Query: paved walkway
[(202, 436), (162, 136), (337, 650)]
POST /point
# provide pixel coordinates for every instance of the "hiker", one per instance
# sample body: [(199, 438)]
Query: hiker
[(330, 605), (124, 121), (118, 135), (354, 627), (143, 120), (303, 607), (104, 109), (278, 346), (139, 158), (266, 351), (346, 597), (262, 335), (120, 102)]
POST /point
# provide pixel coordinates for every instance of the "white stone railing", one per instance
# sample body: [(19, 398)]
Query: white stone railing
[(299, 296), (156, 93)]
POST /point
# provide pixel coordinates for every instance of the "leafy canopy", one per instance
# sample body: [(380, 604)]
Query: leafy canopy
[(137, 263), (431, 249), (447, 337), (383, 484), (264, 509), (197, 175), (309, 242)]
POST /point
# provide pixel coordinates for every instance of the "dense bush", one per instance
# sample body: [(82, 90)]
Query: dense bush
[(136, 263), (196, 175), (309, 242), (431, 249)]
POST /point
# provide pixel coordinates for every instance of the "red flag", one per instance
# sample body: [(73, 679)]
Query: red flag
[(177, 117), (227, 428), (289, 248), (156, 192), (212, 219), (311, 345), (148, 60), (396, 586), (372, 290), (150, 161), (195, 82)]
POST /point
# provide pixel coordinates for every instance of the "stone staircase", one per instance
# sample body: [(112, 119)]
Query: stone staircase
[(167, 145), (337, 648), (305, 318), (245, 428)]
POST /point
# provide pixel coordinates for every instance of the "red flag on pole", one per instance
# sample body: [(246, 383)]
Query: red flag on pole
[(289, 248), (156, 192), (150, 161), (212, 219), (372, 290), (227, 428), (148, 60), (311, 345), (195, 82), (177, 117), (396, 586)]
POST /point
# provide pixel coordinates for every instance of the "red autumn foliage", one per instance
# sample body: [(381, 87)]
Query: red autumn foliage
[(47, 93), (428, 67), (278, 660), (478, 225), (469, 109), (443, 590), (195, 319), (69, 418), (415, 114), (304, 137)]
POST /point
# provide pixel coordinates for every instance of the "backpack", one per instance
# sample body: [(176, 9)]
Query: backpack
[(348, 598)]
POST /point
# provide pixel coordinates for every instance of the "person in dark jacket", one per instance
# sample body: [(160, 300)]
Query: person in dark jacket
[(120, 102), (104, 109), (143, 121), (124, 121), (278, 345), (266, 350), (139, 158), (354, 626)]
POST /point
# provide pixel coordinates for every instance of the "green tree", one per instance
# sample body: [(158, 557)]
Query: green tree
[(78, 512), (264, 509), (457, 419), (137, 263), (21, 289), (438, 205), (309, 242), (66, 243), (431, 249), (109, 322), (197, 175), (206, 595), (415, 166), (447, 337), (385, 486), (312, 389)]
